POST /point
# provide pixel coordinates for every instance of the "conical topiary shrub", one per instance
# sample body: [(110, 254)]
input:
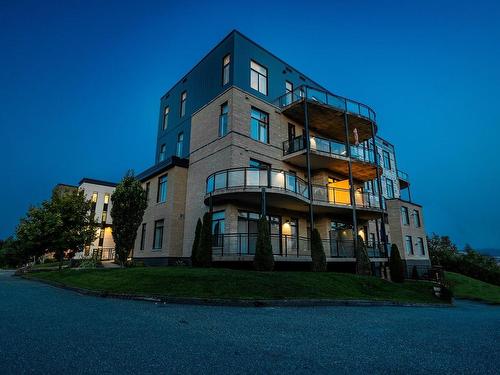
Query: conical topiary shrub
[(396, 265), (196, 243), (317, 252), (263, 259), (204, 255), (363, 265), (414, 273)]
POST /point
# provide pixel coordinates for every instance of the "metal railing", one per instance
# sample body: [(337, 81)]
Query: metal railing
[(244, 244), (104, 253), (327, 98), (403, 176), (253, 177), (330, 147)]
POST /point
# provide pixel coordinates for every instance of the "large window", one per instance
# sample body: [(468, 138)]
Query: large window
[(408, 245), (404, 215), (183, 103), (387, 159), (165, 118), (163, 152), (158, 238), (258, 77), (162, 189), (259, 126), (143, 236), (390, 188), (420, 246), (226, 64), (416, 219), (247, 229), (224, 108), (288, 92), (180, 142)]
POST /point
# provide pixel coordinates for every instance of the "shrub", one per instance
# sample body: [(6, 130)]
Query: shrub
[(396, 265), (196, 244), (445, 294), (317, 252), (414, 273), (363, 265), (89, 263), (204, 253), (263, 259)]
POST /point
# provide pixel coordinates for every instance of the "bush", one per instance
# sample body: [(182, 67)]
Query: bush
[(204, 255), (90, 263), (263, 259), (317, 253), (396, 265), (196, 244), (363, 265), (445, 294), (414, 273)]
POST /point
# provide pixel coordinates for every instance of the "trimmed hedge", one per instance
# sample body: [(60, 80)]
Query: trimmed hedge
[(318, 256)]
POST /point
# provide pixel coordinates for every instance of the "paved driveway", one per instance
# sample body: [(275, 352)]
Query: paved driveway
[(47, 330)]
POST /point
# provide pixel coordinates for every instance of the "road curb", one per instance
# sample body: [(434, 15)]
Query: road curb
[(237, 302)]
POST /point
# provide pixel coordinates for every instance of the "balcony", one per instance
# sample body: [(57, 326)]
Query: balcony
[(404, 179), (241, 246), (332, 155), (326, 112), (286, 190)]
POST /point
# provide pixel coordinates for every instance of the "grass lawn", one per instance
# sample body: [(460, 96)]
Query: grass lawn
[(467, 287), (235, 284), (49, 265)]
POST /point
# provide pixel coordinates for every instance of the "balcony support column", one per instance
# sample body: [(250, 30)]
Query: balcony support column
[(308, 162), (379, 185), (351, 183)]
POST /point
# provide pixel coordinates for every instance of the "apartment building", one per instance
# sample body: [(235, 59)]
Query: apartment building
[(244, 134)]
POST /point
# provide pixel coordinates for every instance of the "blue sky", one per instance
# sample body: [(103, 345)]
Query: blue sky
[(80, 83)]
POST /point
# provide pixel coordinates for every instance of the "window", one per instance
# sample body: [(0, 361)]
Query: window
[(372, 239), (258, 164), (104, 216), (226, 63), (416, 219), (288, 92), (106, 198), (218, 228), (258, 77), (404, 215), (224, 108), (387, 159), (180, 141), (94, 197), (165, 117), (183, 103), (390, 188), (163, 152), (408, 245), (420, 246), (158, 238), (148, 187), (259, 125), (143, 236), (162, 189)]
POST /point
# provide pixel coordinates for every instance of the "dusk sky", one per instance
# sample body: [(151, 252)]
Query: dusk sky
[(80, 84)]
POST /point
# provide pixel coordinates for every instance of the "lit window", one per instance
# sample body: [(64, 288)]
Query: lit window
[(258, 77), (158, 238), (106, 198), (183, 103), (387, 159), (165, 117), (162, 189), (163, 152), (404, 216), (180, 141), (408, 245), (223, 119), (226, 63), (259, 127), (416, 219), (103, 219), (143, 236), (390, 188), (420, 246), (94, 197)]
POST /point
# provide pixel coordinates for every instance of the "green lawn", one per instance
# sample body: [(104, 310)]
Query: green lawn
[(233, 284), (467, 287), (49, 265)]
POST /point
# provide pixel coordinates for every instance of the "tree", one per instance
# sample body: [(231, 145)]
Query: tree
[(10, 254), (396, 265), (414, 273), (317, 252), (363, 265), (263, 259), (196, 244), (204, 253), (129, 203), (442, 250)]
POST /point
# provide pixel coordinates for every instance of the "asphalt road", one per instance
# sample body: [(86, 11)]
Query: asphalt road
[(46, 330)]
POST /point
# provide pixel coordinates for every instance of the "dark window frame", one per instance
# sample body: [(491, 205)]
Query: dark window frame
[(160, 183), (161, 227), (166, 112), (226, 69), (266, 123), (143, 236), (266, 76), (179, 146), (182, 109), (224, 117)]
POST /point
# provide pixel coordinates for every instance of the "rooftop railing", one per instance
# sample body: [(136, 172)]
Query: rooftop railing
[(327, 98)]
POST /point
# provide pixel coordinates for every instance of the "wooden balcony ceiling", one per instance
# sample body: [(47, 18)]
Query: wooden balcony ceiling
[(328, 121)]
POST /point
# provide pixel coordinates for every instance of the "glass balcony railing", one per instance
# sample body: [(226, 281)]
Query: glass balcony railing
[(403, 176), (327, 146), (252, 177), (326, 98)]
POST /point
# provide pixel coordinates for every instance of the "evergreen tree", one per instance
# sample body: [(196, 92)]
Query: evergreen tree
[(363, 265), (204, 253), (414, 273), (317, 252), (263, 259), (396, 265), (196, 244)]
